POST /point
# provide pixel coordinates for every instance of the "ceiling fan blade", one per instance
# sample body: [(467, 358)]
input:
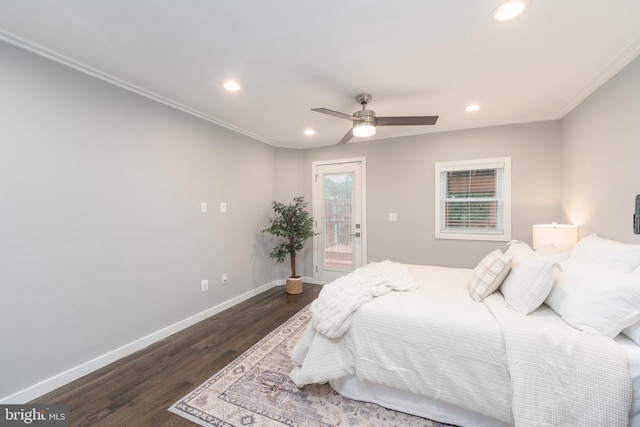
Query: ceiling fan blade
[(336, 114), (406, 121), (346, 138)]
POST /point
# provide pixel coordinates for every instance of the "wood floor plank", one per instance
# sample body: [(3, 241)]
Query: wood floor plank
[(138, 389)]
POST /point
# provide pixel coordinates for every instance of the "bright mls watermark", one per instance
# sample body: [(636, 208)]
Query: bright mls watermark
[(34, 415)]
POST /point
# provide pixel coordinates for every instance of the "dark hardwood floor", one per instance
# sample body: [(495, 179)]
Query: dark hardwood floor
[(138, 389)]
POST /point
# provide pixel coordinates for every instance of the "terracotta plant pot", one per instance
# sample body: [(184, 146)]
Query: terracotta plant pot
[(294, 285)]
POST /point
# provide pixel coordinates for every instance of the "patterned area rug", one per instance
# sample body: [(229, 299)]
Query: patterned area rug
[(255, 390)]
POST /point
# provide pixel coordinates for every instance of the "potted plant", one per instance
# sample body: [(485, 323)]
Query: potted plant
[(294, 224)]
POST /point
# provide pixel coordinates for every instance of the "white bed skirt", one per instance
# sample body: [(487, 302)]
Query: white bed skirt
[(410, 403)]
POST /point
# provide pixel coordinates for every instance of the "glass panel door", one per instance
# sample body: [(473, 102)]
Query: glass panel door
[(337, 208), (338, 220)]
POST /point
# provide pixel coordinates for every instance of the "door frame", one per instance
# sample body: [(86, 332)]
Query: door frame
[(317, 241)]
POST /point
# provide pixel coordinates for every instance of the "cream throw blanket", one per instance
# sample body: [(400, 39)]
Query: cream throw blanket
[(332, 311)]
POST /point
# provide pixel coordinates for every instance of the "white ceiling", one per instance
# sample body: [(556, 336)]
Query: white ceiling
[(417, 57)]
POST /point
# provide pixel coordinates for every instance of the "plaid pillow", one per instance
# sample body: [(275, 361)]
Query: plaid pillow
[(489, 274)]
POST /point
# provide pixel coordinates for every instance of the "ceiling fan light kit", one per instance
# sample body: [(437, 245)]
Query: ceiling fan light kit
[(365, 121), (367, 124)]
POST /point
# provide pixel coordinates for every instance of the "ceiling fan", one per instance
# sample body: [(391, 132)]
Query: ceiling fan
[(365, 121)]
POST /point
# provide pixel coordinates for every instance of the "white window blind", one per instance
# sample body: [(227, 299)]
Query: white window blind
[(473, 199)]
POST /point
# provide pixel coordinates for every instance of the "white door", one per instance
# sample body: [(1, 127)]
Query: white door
[(338, 200)]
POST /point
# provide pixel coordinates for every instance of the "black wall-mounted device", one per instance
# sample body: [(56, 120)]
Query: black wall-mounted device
[(636, 216)]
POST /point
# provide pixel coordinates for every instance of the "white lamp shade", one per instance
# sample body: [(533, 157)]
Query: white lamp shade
[(562, 236)]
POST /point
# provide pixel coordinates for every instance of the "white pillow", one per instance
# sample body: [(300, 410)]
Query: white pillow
[(550, 253), (489, 274), (633, 332), (530, 279), (519, 249), (622, 256), (596, 298)]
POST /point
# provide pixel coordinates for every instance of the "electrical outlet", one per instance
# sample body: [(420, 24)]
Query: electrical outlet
[(204, 285), (225, 280)]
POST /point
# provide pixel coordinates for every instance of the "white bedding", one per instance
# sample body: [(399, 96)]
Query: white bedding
[(332, 310), (632, 351), (438, 342), (452, 341), (560, 376)]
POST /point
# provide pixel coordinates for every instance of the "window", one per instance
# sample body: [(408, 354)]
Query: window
[(473, 199)]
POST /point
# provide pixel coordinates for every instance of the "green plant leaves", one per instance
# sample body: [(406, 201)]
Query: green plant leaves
[(294, 224)]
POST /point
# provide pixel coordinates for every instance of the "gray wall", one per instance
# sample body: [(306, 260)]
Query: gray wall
[(400, 178), (288, 182), (600, 158), (101, 237)]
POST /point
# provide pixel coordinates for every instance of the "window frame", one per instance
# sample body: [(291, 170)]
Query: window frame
[(503, 163)]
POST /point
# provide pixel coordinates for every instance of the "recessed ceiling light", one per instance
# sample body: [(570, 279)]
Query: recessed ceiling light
[(472, 107), (309, 132), (231, 86), (510, 9)]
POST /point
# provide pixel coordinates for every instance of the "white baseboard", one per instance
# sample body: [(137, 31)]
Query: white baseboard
[(312, 281), (63, 378)]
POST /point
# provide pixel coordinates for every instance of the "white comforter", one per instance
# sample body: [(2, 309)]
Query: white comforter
[(438, 342), (559, 376)]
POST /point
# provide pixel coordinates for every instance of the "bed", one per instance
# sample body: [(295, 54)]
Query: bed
[(417, 341)]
